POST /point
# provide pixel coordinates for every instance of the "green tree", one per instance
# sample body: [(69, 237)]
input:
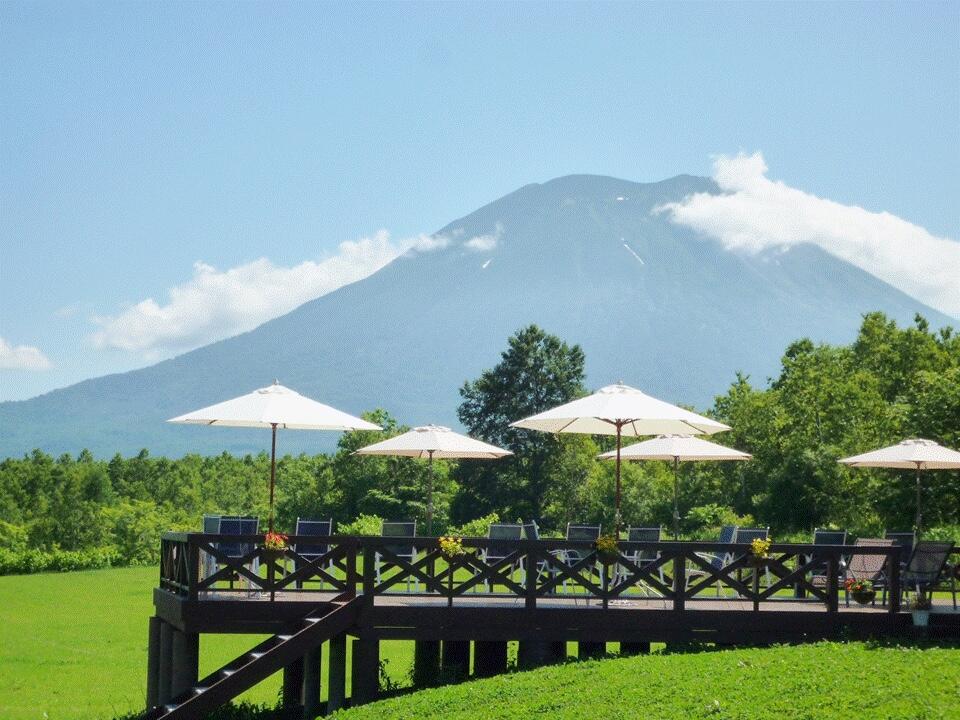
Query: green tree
[(536, 371)]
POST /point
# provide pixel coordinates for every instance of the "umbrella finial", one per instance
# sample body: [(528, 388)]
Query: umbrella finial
[(276, 382)]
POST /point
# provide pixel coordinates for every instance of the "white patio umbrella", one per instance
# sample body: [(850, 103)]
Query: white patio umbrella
[(434, 441), (274, 407), (914, 454), (677, 448), (622, 411)]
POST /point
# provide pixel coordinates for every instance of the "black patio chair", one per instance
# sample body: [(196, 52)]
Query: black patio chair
[(491, 556), (208, 563), (906, 540), (717, 560), (747, 536), (823, 536), (641, 558), (405, 552), (239, 525), (928, 571), (578, 532), (311, 550)]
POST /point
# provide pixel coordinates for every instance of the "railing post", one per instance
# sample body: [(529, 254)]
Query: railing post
[(351, 558), (679, 581), (894, 575), (193, 568), (833, 582), (369, 573), (530, 579)]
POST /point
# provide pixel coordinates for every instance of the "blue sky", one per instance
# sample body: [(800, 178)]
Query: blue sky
[(138, 139)]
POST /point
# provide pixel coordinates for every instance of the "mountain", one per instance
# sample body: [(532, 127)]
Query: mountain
[(652, 303)]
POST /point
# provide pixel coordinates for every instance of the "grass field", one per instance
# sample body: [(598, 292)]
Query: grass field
[(825, 681), (73, 646)]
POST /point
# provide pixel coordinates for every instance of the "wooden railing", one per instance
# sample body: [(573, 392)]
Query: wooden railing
[(194, 565)]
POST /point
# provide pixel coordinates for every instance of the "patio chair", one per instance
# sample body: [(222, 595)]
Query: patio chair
[(823, 536), (491, 556), (717, 560), (239, 525), (578, 532), (928, 570), (308, 550), (405, 552), (641, 558), (861, 566), (906, 540)]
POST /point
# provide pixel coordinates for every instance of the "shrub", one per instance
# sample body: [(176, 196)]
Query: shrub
[(33, 561), (475, 528), (363, 525)]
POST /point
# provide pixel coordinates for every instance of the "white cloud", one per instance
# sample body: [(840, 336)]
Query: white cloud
[(485, 243), (755, 213), (22, 357), (215, 304)]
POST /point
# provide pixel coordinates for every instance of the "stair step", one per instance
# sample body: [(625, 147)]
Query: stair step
[(199, 690), (227, 673), (256, 655), (284, 638), (171, 707)]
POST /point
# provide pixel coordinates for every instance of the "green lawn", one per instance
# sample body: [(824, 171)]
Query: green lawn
[(74, 646), (811, 682)]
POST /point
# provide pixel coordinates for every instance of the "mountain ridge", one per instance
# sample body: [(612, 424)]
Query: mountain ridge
[(652, 303)]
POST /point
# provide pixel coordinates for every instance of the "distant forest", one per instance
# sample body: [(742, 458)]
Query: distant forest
[(827, 402)]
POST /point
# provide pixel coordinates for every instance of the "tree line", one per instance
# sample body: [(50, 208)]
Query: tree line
[(828, 401)]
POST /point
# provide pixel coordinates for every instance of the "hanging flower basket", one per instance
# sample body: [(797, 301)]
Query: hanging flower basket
[(861, 590), (274, 546), (608, 551)]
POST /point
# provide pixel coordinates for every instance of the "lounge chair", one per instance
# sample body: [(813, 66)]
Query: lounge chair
[(928, 570), (405, 552), (746, 536), (308, 550), (208, 563), (823, 536), (238, 525), (862, 566), (491, 556)]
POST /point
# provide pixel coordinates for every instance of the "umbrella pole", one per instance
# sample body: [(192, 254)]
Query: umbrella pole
[(616, 514), (273, 470), (919, 516), (676, 512), (430, 497)]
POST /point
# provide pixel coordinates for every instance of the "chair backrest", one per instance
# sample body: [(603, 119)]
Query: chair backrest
[(402, 529), (315, 528), (502, 531), (232, 525), (582, 532), (748, 535), (645, 534), (905, 540), (727, 534), (927, 562), (531, 531), (867, 567), (823, 536), (211, 524)]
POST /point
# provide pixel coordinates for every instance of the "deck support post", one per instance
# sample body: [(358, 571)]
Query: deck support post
[(153, 661), (557, 651), (365, 671), (292, 688), (456, 660), (165, 674), (311, 683), (489, 658), (533, 653), (586, 650), (337, 674), (426, 662), (634, 648), (186, 661)]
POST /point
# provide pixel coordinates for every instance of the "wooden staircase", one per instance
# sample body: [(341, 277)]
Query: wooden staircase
[(257, 664)]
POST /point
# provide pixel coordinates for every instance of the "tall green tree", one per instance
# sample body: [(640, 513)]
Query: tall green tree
[(536, 371)]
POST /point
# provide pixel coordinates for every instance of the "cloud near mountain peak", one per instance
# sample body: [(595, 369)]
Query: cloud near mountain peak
[(754, 213)]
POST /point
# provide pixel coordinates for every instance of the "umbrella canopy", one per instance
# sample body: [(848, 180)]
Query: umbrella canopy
[(913, 454), (677, 448), (433, 441), (620, 410), (274, 407)]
